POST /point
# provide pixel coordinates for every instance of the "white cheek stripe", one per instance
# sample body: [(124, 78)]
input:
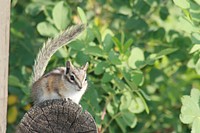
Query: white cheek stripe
[(77, 81)]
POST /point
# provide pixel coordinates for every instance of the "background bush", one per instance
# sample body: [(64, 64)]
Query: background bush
[(143, 55)]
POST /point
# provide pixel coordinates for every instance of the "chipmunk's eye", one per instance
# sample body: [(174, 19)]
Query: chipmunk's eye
[(86, 79), (72, 77)]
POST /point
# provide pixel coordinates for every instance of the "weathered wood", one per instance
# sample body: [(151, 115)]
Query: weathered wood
[(57, 116), (4, 53)]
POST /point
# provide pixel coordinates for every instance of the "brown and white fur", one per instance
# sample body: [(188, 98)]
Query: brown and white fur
[(57, 83), (63, 82)]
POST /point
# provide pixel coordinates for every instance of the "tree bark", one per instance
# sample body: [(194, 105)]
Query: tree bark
[(4, 57), (57, 116)]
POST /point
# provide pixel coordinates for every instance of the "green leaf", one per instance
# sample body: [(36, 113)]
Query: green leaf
[(137, 77), (97, 34), (197, 1), (46, 29), (165, 52), (62, 53), (108, 43), (157, 76), (107, 32), (15, 82), (195, 16), (121, 85), (195, 48), (136, 105), (133, 104), (136, 24), (125, 100), (191, 63), (126, 119), (136, 56), (129, 118), (91, 98), (121, 123), (159, 34), (197, 67), (164, 13), (195, 38), (182, 3), (117, 43), (127, 45), (142, 7), (100, 68), (89, 36), (145, 95), (130, 83), (82, 15), (153, 57), (190, 110), (94, 50), (111, 108), (108, 88), (82, 58), (34, 8), (187, 25), (112, 129), (106, 77), (125, 10), (113, 58), (144, 102), (195, 126), (76, 45), (61, 15), (48, 13)]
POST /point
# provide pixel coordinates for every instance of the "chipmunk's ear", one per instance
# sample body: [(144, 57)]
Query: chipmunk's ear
[(68, 66), (85, 67)]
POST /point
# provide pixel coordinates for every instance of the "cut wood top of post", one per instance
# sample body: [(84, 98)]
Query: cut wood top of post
[(57, 116)]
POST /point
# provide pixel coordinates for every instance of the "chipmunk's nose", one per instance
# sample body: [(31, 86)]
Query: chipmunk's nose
[(80, 86)]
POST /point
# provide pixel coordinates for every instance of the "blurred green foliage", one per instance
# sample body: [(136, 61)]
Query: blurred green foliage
[(143, 54)]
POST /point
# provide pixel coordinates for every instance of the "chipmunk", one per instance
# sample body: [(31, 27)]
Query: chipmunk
[(63, 82)]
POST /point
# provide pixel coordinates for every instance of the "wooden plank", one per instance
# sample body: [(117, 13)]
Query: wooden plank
[(4, 57)]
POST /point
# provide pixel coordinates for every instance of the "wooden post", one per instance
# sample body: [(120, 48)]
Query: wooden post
[(4, 56), (57, 116)]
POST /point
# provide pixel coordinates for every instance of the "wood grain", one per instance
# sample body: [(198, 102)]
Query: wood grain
[(57, 116), (4, 57)]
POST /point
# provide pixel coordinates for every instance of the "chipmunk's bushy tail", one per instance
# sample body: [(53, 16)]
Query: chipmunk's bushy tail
[(51, 46)]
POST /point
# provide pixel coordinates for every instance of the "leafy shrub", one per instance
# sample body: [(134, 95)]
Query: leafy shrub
[(141, 62)]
